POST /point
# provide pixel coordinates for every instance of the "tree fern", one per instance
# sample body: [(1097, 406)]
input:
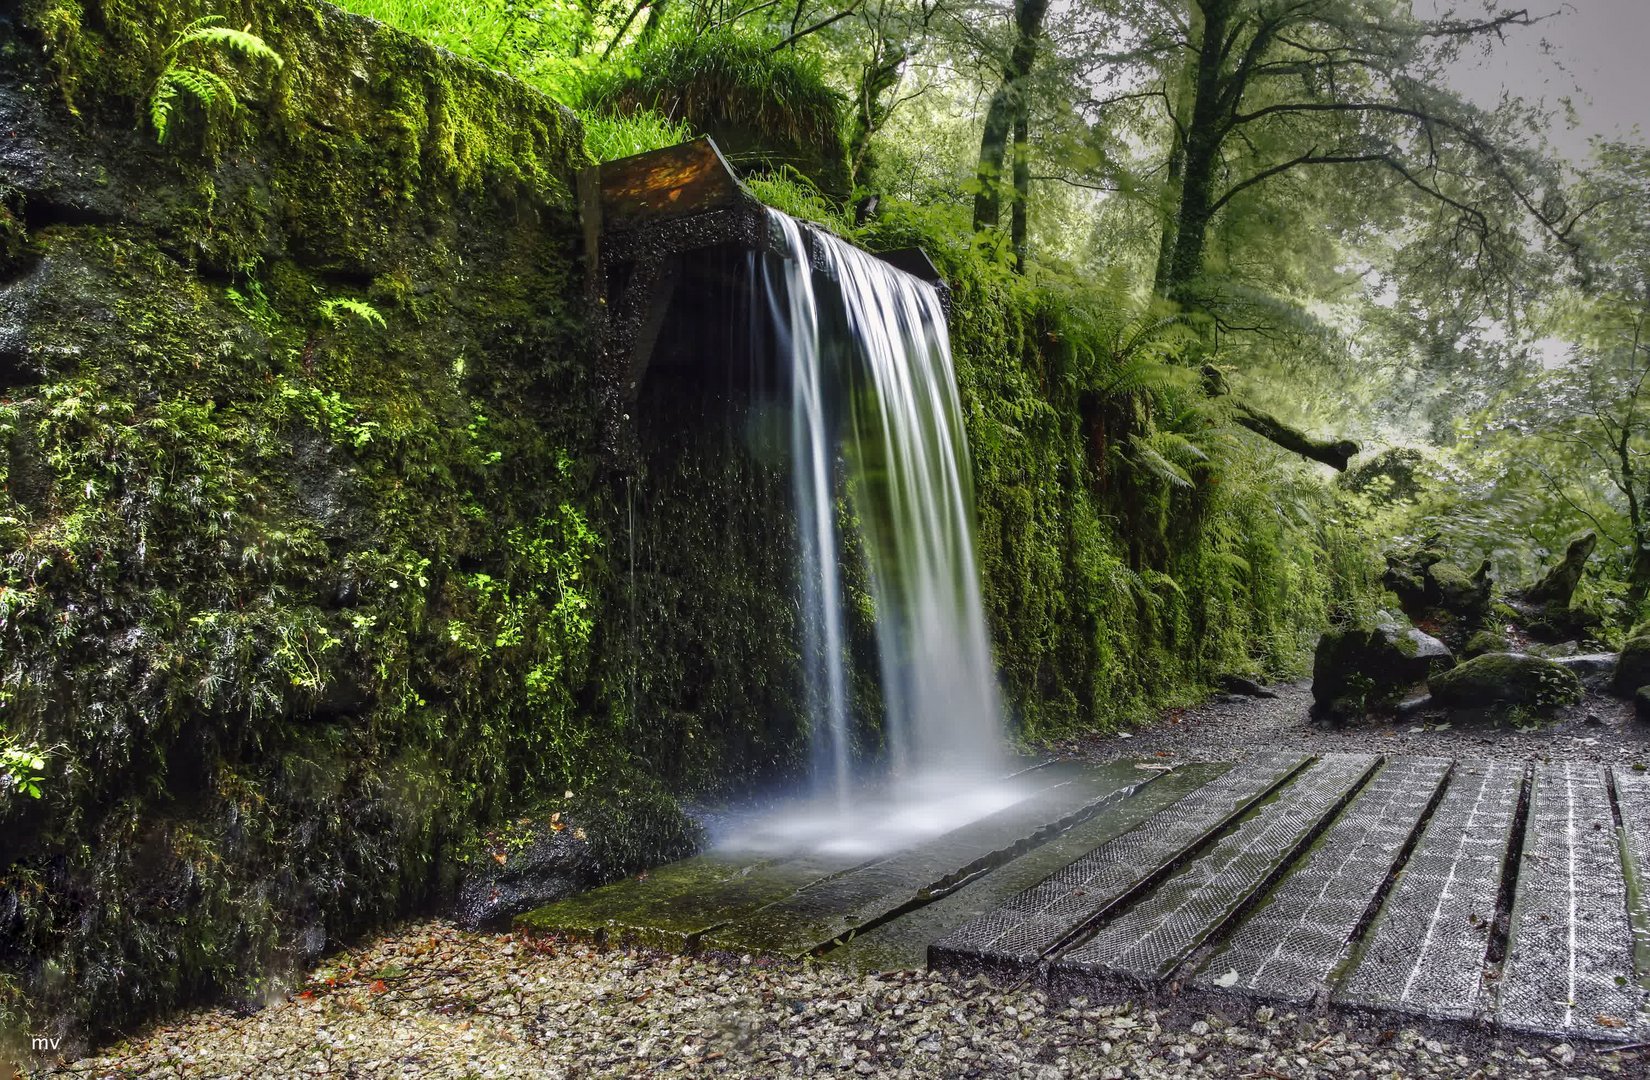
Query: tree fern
[(180, 78)]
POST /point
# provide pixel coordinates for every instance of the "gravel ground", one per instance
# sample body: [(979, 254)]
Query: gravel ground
[(433, 1001), (429, 1000), (1600, 729)]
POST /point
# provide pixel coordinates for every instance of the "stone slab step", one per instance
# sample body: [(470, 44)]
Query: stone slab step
[(1034, 923), (1146, 942), (813, 918), (1287, 949), (1569, 966), (1425, 951), (902, 944)]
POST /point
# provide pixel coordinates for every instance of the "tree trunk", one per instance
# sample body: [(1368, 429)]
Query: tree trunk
[(1336, 453), (1001, 115), (1169, 202), (1204, 136), (1638, 580), (1018, 223), (880, 75)]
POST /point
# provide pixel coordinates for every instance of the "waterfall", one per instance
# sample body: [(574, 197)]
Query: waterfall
[(874, 406)]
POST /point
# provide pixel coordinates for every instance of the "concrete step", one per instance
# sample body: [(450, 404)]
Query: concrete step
[(815, 917), (902, 943)]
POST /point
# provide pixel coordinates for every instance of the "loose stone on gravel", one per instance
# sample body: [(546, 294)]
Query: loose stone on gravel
[(433, 1001)]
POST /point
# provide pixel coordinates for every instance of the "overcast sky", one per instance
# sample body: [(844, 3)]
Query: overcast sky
[(1596, 52)]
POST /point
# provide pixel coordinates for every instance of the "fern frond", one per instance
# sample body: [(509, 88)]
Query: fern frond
[(1228, 560), (240, 42), (1160, 466), (1177, 448), (1147, 374), (359, 308), (203, 84), (206, 87)]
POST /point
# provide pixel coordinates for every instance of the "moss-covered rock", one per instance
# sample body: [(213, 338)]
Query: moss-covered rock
[(1355, 668), (1484, 641), (1632, 667), (1506, 679), (301, 548)]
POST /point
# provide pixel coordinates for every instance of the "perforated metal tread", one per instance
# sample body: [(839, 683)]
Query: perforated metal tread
[(1569, 966), (1425, 952), (1033, 923), (1289, 946), (1633, 800), (902, 943), (824, 912), (1148, 940)]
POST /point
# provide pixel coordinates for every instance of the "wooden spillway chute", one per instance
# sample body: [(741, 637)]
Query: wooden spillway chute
[(641, 216)]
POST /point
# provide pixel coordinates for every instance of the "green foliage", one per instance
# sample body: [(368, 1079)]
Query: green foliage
[(186, 72), (333, 311), (800, 197), (767, 109), (23, 766), (608, 136)]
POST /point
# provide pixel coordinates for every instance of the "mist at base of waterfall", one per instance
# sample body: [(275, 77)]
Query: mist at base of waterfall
[(880, 816)]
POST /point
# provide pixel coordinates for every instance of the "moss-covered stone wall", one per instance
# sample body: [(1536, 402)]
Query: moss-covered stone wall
[(301, 552)]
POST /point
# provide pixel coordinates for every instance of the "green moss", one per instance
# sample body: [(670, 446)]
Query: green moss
[(298, 601)]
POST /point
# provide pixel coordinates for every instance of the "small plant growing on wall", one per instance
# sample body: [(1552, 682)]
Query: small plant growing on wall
[(188, 74)]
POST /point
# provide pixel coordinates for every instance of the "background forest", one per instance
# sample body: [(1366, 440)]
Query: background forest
[(1291, 192)]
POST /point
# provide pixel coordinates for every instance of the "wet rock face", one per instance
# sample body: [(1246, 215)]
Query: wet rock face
[(1355, 668), (1507, 679)]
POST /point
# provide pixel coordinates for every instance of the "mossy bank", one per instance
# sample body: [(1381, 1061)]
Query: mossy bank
[(311, 571), (300, 548)]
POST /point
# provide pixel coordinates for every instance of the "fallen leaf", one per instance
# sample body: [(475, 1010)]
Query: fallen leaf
[(1610, 1021), (578, 834), (378, 986)]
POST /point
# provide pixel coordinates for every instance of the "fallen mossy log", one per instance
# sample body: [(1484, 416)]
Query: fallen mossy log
[(1336, 453)]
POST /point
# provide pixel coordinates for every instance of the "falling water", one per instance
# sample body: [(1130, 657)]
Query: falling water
[(874, 403), (791, 297)]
